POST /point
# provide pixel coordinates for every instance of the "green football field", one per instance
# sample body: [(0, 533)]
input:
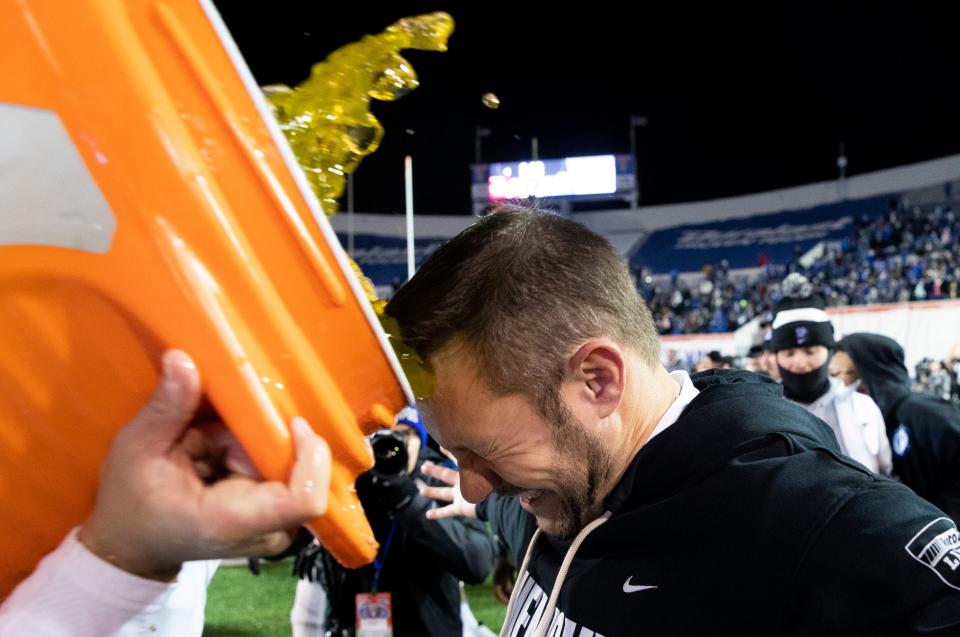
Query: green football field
[(240, 604)]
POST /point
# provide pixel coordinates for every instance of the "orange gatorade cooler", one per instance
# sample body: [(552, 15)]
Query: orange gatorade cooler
[(148, 200)]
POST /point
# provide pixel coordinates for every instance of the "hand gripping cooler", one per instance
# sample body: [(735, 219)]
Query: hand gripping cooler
[(148, 200)]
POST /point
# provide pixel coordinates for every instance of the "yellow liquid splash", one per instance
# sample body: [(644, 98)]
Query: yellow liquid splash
[(326, 118)]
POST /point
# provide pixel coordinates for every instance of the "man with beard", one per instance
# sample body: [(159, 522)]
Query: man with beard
[(638, 501), (642, 502), (803, 342), (924, 431)]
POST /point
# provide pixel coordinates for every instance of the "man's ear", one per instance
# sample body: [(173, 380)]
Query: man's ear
[(596, 377)]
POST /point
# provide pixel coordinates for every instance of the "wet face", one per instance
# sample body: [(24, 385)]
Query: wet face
[(504, 444)]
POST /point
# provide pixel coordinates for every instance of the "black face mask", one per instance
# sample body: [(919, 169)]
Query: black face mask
[(806, 388)]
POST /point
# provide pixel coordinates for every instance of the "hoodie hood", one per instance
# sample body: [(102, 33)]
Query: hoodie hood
[(879, 361), (735, 412)]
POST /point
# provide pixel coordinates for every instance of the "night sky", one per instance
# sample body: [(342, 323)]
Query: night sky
[(739, 97)]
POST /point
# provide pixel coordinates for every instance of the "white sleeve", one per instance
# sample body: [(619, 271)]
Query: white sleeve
[(73, 593), (885, 457), (876, 429), (309, 613)]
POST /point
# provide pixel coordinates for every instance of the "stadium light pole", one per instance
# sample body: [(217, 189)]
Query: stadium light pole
[(636, 121), (534, 145), (842, 167), (408, 196), (842, 161), (479, 133), (350, 214)]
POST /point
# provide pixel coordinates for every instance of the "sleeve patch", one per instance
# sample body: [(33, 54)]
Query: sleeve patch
[(937, 546)]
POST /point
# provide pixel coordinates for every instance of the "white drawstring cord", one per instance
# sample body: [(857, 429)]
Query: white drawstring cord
[(547, 617), (520, 581)]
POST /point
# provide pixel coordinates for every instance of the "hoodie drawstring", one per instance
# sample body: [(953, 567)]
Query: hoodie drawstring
[(547, 616)]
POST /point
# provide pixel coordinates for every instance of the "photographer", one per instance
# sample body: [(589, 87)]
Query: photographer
[(420, 561)]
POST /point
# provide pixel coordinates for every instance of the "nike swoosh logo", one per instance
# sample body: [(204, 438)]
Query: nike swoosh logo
[(633, 588)]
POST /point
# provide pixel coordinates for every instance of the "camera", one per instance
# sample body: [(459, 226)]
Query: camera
[(389, 452)]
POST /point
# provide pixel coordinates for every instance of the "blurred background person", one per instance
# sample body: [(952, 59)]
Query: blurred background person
[(803, 340), (420, 563)]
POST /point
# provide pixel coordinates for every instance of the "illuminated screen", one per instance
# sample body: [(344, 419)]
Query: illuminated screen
[(568, 177)]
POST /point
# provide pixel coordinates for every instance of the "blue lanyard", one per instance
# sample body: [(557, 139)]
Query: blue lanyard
[(378, 563)]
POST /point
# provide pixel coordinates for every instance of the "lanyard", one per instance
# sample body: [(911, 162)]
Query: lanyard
[(378, 563)]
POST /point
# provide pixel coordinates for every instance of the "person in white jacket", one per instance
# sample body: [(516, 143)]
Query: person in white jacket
[(803, 341), (140, 564)]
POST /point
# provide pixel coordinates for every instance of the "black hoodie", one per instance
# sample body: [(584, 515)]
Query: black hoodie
[(743, 518), (924, 431)]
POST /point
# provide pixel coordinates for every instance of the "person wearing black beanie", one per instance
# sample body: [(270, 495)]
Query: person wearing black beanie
[(924, 431), (803, 342)]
